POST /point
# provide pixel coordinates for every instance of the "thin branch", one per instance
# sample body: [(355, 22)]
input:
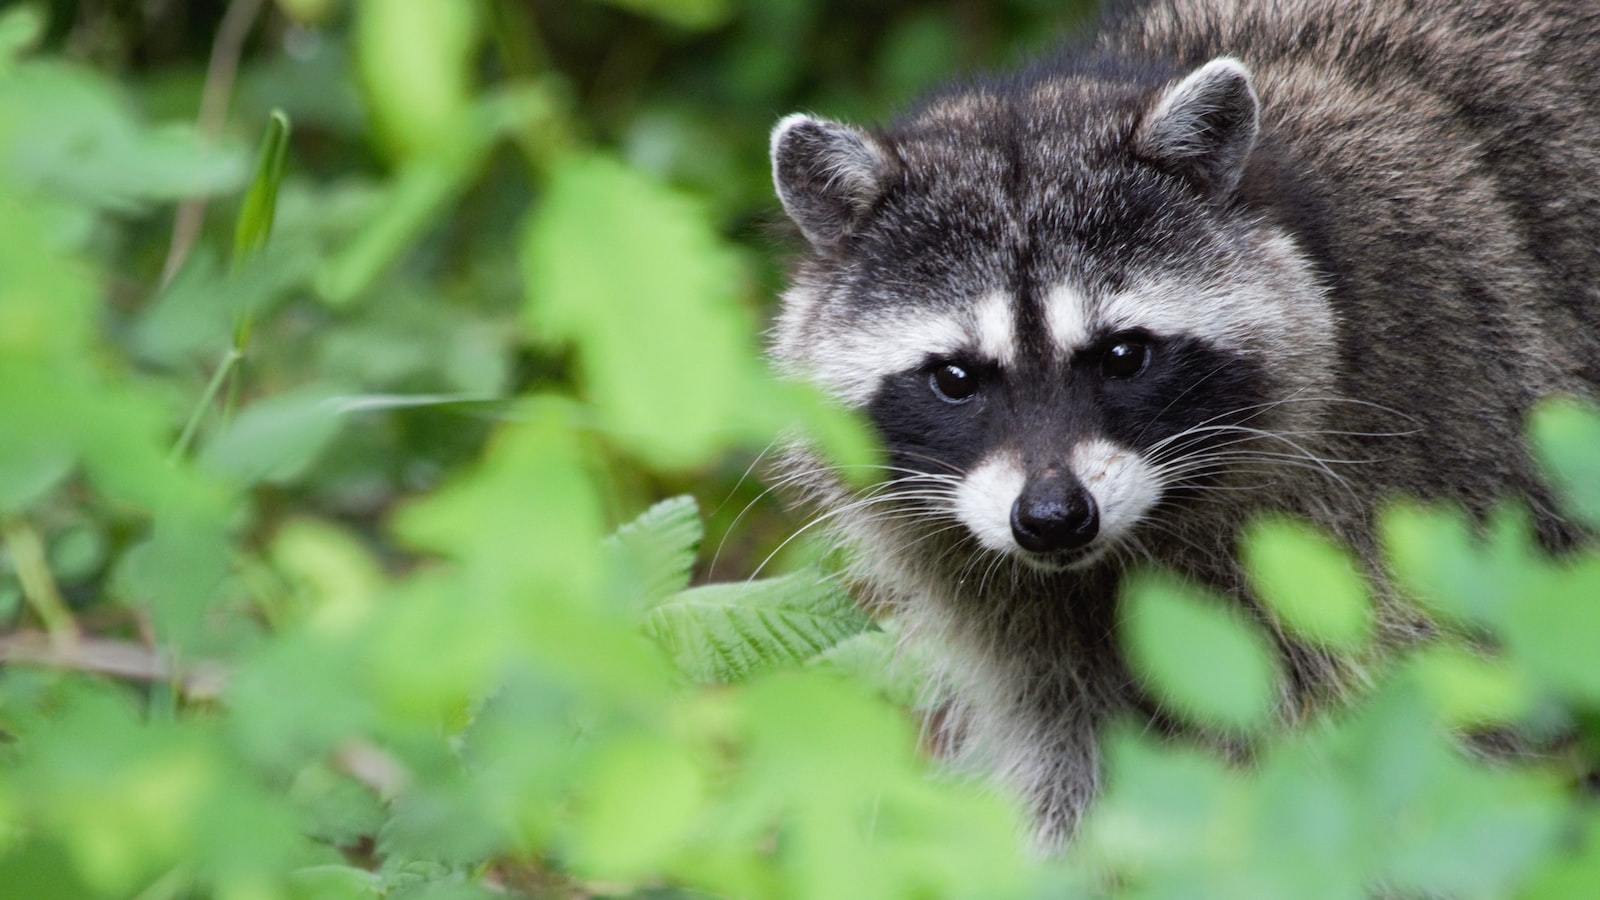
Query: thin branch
[(120, 659), (220, 72)]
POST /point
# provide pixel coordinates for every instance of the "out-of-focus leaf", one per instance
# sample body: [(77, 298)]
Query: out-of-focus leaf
[(535, 484), (1554, 637), (633, 274), (639, 801), (1205, 661), (310, 12), (20, 28), (193, 318), (274, 440), (1472, 689), (83, 145), (903, 672), (727, 632), (1565, 434), (415, 58), (426, 183), (178, 572), (1312, 585), (332, 882), (1434, 555), (1162, 805), (698, 14)]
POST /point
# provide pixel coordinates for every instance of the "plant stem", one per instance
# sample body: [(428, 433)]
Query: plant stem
[(38, 584), (233, 357)]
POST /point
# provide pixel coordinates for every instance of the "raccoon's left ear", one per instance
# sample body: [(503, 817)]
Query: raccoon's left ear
[(828, 175), (1204, 126)]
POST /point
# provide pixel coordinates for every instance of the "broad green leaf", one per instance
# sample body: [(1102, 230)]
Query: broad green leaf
[(727, 632), (635, 807), (527, 516), (178, 573), (330, 574), (634, 276), (194, 317), (1203, 660), (658, 550), (1566, 435), (1469, 688), (275, 726), (1436, 558), (83, 145), (1554, 627), (1161, 805), (1313, 586), (274, 440), (902, 671)]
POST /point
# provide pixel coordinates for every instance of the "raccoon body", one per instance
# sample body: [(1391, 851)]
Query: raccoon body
[(1232, 258)]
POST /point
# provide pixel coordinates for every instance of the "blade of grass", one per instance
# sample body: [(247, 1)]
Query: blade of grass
[(251, 232), (254, 226)]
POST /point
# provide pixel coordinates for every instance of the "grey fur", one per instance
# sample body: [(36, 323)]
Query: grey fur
[(1392, 210)]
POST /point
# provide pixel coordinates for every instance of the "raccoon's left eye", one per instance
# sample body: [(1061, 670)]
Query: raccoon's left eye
[(953, 384), (1124, 357)]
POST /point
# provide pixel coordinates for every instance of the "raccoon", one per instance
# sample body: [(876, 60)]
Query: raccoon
[(1231, 257)]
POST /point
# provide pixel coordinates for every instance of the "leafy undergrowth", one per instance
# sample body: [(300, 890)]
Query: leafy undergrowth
[(309, 584)]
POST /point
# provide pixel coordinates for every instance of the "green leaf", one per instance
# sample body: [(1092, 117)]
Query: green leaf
[(1435, 557), (254, 225), (633, 274), (902, 672), (657, 550), (415, 60), (728, 632), (20, 28), (1469, 688), (1203, 660), (84, 145), (1554, 626), (274, 440), (1311, 584), (636, 805), (1566, 437), (178, 572)]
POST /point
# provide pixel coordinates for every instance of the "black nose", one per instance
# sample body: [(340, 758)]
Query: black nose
[(1054, 512)]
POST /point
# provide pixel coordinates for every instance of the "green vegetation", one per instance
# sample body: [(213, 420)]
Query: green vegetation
[(334, 559)]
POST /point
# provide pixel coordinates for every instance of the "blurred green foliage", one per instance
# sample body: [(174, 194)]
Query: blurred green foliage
[(333, 566)]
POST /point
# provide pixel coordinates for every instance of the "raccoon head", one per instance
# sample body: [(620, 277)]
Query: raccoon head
[(1053, 301)]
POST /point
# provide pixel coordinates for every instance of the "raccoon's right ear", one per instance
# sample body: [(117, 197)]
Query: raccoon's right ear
[(828, 176), (1205, 126)]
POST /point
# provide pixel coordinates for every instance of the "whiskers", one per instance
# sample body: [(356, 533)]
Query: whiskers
[(905, 496), (1197, 456)]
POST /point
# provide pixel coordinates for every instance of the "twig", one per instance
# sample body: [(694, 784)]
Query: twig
[(372, 766), (122, 659), (220, 72)]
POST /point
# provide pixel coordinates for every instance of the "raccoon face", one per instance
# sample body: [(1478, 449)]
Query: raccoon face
[(1052, 307)]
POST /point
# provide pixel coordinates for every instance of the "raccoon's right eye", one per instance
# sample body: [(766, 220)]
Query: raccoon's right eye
[(952, 384)]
